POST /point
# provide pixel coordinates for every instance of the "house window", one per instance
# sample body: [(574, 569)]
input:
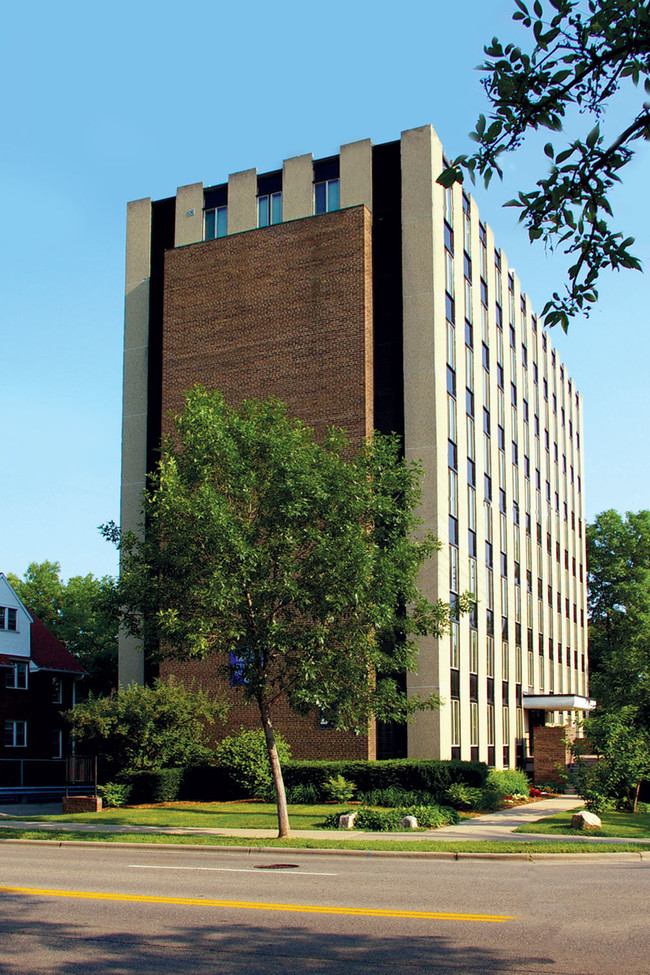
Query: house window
[(15, 734), (57, 744), (326, 196), (57, 690), (269, 209), (216, 222), (8, 618), (17, 676)]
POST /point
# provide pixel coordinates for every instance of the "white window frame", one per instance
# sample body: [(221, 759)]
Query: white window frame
[(11, 680), (11, 730)]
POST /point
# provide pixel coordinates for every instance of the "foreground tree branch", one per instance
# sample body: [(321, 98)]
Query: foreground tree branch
[(580, 55)]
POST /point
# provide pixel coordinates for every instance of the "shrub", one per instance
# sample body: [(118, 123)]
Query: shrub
[(114, 794), (507, 782), (464, 797), (161, 785), (394, 796), (339, 788), (306, 795), (246, 758), (386, 820), (138, 728), (431, 777)]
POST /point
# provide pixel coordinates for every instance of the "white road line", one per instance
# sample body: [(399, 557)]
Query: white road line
[(276, 870)]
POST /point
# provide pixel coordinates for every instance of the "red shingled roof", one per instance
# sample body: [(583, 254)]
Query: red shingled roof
[(48, 653)]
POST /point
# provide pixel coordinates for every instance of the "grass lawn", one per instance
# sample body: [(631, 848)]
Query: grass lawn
[(628, 825), (211, 815), (331, 843)]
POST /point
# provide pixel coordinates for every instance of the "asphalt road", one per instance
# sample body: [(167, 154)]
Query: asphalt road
[(79, 910)]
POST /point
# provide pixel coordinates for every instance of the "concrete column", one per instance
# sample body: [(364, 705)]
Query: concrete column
[(356, 174), (297, 187), (134, 409), (425, 414), (242, 201), (189, 214)]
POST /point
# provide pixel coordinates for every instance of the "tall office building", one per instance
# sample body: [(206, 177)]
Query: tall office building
[(366, 296)]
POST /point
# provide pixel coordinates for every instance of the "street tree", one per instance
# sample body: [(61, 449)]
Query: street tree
[(618, 567), (614, 734), (294, 561), (83, 613), (576, 56), (143, 728)]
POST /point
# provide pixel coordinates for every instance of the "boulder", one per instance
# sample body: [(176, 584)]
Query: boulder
[(585, 820), (346, 821), (409, 822)]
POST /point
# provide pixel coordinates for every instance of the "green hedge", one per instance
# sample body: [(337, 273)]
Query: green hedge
[(214, 783), (163, 785), (430, 776)]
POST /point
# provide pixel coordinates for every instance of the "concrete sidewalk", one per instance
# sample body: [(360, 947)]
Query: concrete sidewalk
[(491, 826)]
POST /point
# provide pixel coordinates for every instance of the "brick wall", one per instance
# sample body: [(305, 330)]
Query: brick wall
[(551, 751), (283, 311)]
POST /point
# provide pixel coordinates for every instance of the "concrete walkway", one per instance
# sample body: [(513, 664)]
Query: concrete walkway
[(491, 826)]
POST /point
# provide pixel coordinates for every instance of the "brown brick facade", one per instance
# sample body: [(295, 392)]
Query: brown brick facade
[(283, 311)]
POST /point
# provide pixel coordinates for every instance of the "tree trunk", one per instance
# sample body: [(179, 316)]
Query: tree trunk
[(278, 782), (636, 796)]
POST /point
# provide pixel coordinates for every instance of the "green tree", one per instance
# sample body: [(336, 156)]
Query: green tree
[(138, 728), (83, 613), (576, 57), (625, 749), (618, 566), (295, 561)]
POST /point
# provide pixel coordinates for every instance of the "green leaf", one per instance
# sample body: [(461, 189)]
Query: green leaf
[(548, 149)]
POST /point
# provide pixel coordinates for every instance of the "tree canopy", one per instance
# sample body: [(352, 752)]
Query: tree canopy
[(618, 565), (576, 56), (294, 562), (82, 613)]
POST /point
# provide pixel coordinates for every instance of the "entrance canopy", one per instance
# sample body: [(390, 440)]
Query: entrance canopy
[(558, 702)]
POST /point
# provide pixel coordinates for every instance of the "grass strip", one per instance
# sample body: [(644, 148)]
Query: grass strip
[(615, 824), (299, 843)]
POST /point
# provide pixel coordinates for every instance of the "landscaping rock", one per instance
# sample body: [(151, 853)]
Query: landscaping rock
[(409, 822), (585, 821), (346, 821)]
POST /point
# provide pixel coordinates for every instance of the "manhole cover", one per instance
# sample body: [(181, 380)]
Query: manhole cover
[(275, 866)]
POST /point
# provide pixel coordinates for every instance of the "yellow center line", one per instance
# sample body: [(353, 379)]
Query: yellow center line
[(256, 905)]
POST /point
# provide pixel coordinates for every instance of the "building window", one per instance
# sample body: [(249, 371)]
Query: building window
[(57, 744), (57, 690), (455, 723), (17, 676), (326, 196), (15, 734), (269, 209), (216, 222), (8, 618)]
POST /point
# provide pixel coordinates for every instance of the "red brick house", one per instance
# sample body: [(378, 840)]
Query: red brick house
[(37, 684)]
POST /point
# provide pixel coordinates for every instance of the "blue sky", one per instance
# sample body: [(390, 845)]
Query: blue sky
[(107, 103)]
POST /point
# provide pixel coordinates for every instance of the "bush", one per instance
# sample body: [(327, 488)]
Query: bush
[(162, 785), (114, 794), (387, 820), (246, 758), (145, 728), (394, 796), (507, 782), (339, 788), (423, 776), (464, 797), (307, 795)]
